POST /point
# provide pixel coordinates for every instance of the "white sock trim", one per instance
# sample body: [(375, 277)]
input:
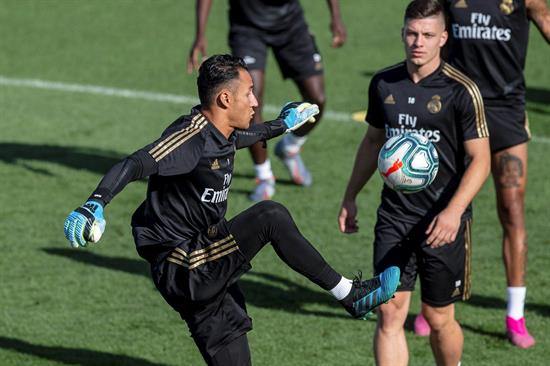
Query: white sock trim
[(293, 143), (263, 171), (342, 289), (516, 302)]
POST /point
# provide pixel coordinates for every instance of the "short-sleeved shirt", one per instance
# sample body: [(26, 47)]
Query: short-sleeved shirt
[(267, 15), (445, 107), (489, 44)]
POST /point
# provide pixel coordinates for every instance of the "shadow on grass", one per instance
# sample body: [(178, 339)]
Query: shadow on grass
[(409, 326), (538, 95), (72, 356), (126, 265), (90, 159), (496, 303), (271, 291), (486, 333), (93, 160)]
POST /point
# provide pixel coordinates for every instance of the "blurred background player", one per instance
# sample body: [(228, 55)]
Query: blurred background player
[(255, 26), (196, 255), (489, 44), (426, 234)]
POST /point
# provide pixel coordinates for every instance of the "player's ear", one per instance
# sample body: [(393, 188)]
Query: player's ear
[(224, 98), (443, 39)]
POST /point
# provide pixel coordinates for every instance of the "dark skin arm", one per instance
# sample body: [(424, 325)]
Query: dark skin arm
[(336, 24), (539, 13), (199, 46)]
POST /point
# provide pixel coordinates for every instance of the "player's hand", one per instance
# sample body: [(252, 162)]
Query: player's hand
[(347, 221), (444, 227), (85, 224), (198, 48), (339, 34), (295, 114)]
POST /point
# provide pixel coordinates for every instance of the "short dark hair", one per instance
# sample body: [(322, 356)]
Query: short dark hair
[(216, 71), (419, 9)]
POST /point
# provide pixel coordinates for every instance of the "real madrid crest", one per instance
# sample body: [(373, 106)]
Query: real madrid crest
[(434, 105), (507, 7), (461, 4), (212, 231)]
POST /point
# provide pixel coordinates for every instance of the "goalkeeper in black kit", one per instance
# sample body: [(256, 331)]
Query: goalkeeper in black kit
[(196, 255)]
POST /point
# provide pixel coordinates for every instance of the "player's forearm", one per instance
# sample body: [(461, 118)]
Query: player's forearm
[(202, 12), (539, 13), (136, 166), (475, 175), (363, 168), (259, 132), (334, 8)]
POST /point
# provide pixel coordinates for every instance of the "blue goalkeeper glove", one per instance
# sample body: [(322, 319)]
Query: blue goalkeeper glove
[(85, 224), (295, 114)]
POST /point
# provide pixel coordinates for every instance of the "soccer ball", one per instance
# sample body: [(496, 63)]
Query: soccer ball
[(408, 163)]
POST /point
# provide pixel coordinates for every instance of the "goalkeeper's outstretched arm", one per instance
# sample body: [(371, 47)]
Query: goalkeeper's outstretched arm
[(292, 116), (136, 166), (86, 223)]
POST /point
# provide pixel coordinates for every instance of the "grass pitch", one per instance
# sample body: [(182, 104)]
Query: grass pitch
[(97, 306)]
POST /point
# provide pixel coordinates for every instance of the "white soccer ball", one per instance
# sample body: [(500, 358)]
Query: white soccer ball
[(408, 163)]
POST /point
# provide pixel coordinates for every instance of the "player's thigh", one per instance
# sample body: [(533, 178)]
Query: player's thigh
[(509, 169), (249, 44), (391, 249), (445, 272), (258, 78), (254, 227), (312, 89), (297, 54)]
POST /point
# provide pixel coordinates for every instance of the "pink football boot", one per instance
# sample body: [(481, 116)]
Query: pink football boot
[(517, 333)]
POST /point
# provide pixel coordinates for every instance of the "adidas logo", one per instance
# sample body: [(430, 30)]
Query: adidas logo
[(456, 292), (215, 165), (461, 4), (389, 99)]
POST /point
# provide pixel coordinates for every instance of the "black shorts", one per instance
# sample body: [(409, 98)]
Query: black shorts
[(235, 353), (201, 284), (294, 49), (444, 272), (508, 126), (198, 278)]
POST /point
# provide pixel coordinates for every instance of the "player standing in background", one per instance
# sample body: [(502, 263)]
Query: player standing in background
[(196, 255), (426, 233), (255, 26), (489, 44)]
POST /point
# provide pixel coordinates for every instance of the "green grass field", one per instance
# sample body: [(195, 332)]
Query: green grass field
[(98, 306)]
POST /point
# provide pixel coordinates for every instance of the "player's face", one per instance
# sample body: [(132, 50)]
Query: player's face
[(423, 39), (244, 101)]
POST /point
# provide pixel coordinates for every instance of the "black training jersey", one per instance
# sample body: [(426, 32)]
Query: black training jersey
[(489, 43), (188, 193), (445, 107), (268, 15)]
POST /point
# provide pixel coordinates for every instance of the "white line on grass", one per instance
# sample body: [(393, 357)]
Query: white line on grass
[(133, 94), (157, 97)]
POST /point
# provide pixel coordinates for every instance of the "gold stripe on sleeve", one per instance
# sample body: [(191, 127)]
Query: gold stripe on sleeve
[(477, 100), (167, 139)]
